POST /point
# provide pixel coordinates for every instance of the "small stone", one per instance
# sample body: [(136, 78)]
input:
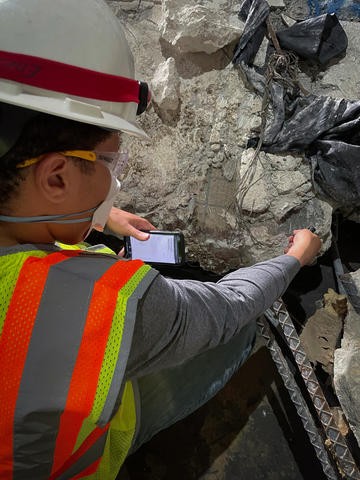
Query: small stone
[(215, 147), (288, 21), (276, 3)]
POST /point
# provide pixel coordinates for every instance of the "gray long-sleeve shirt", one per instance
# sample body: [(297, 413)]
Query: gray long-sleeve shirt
[(178, 319)]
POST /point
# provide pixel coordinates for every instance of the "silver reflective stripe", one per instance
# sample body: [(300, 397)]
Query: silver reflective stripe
[(50, 362), (128, 329), (136, 390), (89, 457)]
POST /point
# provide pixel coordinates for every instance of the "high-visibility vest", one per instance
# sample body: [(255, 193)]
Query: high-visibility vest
[(66, 323)]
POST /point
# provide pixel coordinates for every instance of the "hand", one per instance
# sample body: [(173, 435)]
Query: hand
[(125, 223), (303, 245)]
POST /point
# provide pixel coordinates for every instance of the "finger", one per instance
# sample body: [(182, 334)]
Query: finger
[(121, 253), (146, 225), (138, 234)]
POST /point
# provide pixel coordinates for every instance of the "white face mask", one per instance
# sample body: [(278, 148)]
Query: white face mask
[(102, 212)]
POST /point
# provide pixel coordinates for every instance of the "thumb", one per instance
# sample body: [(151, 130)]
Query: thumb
[(138, 234)]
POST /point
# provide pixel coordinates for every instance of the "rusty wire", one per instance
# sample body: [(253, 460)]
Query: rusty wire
[(282, 68)]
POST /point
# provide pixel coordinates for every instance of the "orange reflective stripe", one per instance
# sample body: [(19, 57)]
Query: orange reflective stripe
[(14, 343), (90, 357)]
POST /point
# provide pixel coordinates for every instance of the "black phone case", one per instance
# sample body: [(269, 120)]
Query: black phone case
[(179, 250)]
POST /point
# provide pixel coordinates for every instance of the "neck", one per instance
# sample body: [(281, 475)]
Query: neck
[(14, 234)]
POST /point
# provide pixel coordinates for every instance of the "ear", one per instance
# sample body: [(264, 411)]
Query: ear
[(53, 177)]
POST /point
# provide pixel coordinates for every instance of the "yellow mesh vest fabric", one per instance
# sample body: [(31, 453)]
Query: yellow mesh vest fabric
[(119, 439), (10, 266)]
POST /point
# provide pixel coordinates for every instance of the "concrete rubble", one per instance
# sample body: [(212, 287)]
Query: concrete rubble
[(192, 175), (323, 330), (347, 367)]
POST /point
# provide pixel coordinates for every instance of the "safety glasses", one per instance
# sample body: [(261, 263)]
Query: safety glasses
[(115, 161)]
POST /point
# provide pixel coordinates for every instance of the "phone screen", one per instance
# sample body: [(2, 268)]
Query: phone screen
[(158, 249)]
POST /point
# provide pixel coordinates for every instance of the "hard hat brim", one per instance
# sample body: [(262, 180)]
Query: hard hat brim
[(73, 110)]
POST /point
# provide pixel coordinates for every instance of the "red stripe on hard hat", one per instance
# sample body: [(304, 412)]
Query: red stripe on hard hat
[(61, 77)]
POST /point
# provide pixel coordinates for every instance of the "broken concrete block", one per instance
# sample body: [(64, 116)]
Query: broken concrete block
[(198, 28), (165, 86), (287, 182), (347, 371), (322, 331)]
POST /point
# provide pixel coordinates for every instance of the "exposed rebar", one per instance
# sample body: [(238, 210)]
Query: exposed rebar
[(343, 456), (296, 396)]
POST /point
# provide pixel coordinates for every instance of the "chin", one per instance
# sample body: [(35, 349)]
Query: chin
[(72, 236)]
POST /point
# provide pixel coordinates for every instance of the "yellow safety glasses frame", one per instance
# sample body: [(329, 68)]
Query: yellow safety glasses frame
[(115, 161)]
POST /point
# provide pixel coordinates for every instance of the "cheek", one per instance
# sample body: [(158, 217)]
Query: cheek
[(100, 184)]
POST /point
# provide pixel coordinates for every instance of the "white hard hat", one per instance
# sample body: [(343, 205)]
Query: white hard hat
[(69, 58)]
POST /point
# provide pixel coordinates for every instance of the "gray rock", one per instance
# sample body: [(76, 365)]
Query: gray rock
[(198, 28), (276, 3), (260, 57), (165, 86), (287, 182)]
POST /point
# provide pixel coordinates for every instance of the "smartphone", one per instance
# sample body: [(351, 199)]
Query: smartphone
[(165, 248)]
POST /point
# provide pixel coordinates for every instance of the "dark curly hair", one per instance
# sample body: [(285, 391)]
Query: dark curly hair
[(44, 134)]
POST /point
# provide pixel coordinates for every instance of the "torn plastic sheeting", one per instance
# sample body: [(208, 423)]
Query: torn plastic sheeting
[(254, 13), (321, 38), (324, 128)]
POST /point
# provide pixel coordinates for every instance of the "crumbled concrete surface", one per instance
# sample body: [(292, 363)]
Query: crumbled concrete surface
[(191, 175)]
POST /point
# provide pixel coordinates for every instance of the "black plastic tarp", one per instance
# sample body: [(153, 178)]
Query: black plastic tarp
[(325, 129)]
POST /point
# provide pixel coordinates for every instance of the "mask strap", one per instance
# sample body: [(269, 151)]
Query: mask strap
[(49, 218)]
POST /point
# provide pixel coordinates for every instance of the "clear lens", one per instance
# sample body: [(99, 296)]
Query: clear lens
[(115, 161)]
